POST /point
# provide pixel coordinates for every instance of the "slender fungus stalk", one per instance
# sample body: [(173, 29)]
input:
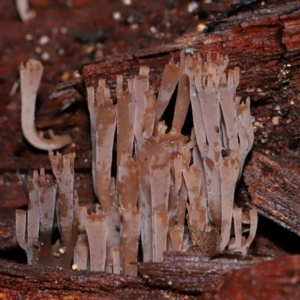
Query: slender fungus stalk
[(130, 232), (81, 253), (63, 169), (176, 237), (47, 190), (27, 223), (24, 11), (169, 81), (31, 74), (160, 187), (95, 225)]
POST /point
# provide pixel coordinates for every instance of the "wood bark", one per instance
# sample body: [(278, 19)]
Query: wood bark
[(265, 44), (19, 281), (180, 273), (191, 273), (273, 184), (276, 280)]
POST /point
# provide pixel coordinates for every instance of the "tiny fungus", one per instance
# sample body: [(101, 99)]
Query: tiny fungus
[(49, 201), (23, 9), (30, 75), (164, 180)]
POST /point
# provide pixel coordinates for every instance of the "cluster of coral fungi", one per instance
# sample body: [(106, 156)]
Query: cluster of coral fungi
[(171, 191)]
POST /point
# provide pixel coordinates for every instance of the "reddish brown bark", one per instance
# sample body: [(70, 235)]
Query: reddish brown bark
[(265, 44), (276, 280), (18, 281), (191, 273), (274, 189)]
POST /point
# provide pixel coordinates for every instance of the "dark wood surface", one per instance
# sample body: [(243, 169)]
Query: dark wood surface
[(274, 188), (19, 281), (192, 273), (264, 42), (276, 280)]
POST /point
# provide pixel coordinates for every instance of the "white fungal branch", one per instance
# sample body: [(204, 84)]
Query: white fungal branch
[(67, 201), (95, 225), (23, 9), (30, 75)]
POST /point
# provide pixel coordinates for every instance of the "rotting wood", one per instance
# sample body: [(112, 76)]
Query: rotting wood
[(263, 69), (18, 281), (262, 45), (274, 190), (192, 273), (179, 274), (266, 47), (278, 279), (274, 38)]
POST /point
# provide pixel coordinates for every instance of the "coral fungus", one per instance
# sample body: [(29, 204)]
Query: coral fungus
[(164, 178), (30, 75)]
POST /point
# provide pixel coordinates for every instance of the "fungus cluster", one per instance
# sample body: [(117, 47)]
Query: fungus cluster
[(170, 191), (52, 205)]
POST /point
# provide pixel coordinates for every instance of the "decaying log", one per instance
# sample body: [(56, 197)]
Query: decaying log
[(7, 228), (263, 44), (18, 281), (274, 189), (278, 279), (266, 46), (273, 240), (180, 273), (192, 273)]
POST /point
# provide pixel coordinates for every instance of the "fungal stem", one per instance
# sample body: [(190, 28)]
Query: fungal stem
[(31, 74)]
